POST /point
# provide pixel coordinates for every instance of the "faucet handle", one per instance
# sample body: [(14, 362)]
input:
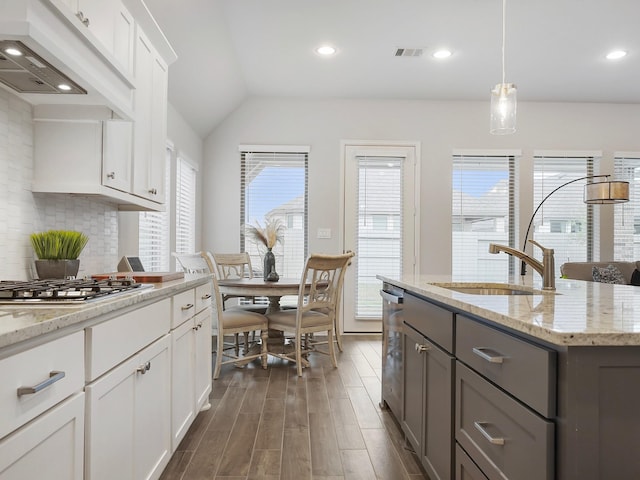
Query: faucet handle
[(544, 249)]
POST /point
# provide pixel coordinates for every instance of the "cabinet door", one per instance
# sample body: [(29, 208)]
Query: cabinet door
[(116, 154), (123, 41), (152, 414), (413, 387), (49, 447), (158, 130), (99, 17), (128, 417), (203, 359), (183, 374)]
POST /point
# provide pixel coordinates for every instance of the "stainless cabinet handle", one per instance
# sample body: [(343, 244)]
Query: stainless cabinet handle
[(81, 17), (187, 306), (420, 348), (488, 355), (144, 368), (53, 378), (111, 175), (206, 296), (153, 191), (480, 426)]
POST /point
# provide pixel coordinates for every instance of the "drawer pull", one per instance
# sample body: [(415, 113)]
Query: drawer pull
[(206, 297), (486, 354), (420, 348), (53, 378), (197, 327), (187, 306), (480, 426), (144, 368)]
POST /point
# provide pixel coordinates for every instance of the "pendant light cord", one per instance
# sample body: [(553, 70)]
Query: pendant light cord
[(504, 36)]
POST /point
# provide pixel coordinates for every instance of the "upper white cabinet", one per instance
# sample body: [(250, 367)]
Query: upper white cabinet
[(109, 23), (150, 106)]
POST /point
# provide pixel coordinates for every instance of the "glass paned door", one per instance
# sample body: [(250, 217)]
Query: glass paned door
[(379, 227)]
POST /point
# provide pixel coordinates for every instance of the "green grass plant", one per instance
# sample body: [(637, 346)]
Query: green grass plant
[(58, 244)]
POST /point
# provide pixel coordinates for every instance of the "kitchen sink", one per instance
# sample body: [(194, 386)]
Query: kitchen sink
[(476, 288)]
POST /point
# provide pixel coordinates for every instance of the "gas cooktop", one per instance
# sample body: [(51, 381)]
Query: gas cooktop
[(55, 291)]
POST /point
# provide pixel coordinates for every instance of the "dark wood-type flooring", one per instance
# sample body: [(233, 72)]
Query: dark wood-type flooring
[(272, 424)]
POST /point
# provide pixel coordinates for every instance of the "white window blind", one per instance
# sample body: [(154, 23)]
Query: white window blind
[(274, 186), (379, 231), (626, 232), (564, 223), (483, 212), (185, 206), (153, 234)]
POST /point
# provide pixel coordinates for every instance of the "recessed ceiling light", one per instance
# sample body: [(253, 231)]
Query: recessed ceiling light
[(616, 54), (64, 86), (326, 50), (13, 51), (442, 54)]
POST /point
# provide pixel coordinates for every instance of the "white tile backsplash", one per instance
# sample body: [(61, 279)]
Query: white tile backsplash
[(23, 212)]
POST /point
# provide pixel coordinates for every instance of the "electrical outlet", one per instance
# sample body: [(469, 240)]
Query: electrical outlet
[(324, 233)]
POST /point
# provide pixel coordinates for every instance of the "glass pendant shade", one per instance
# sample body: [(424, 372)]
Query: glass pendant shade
[(503, 109), (606, 192)]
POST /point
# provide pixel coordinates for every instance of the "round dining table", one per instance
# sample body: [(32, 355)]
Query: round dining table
[(257, 287)]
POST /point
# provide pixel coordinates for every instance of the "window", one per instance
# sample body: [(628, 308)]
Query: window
[(153, 231), (564, 223), (483, 212), (273, 184), (185, 207), (626, 217)]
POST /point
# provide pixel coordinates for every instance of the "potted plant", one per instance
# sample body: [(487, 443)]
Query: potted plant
[(58, 252), (269, 235)]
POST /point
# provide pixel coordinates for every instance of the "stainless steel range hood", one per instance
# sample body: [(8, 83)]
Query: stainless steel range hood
[(24, 71)]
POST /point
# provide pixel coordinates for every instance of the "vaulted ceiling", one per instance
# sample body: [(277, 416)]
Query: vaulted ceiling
[(555, 51)]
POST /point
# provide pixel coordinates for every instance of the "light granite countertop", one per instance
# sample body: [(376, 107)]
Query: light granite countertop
[(21, 323), (578, 313)]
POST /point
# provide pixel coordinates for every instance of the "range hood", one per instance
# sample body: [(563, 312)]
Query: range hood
[(25, 72)]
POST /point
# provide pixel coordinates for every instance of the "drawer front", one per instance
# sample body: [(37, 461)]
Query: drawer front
[(503, 437), (465, 468), (38, 378), (523, 369), (183, 307), (203, 296), (113, 341), (432, 321)]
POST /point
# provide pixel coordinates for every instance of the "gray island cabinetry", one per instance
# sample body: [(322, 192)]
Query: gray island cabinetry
[(542, 386)]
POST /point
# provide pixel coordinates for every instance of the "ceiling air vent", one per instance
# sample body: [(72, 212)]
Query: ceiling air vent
[(409, 52)]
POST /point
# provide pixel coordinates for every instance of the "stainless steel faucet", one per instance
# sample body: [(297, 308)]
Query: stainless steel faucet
[(546, 268)]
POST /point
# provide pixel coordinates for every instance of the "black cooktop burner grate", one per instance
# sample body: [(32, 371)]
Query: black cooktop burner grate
[(63, 290)]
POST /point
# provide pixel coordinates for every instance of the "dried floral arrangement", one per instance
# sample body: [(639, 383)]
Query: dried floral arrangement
[(269, 235)]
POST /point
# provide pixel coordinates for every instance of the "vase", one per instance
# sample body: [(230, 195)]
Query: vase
[(57, 268), (269, 264)]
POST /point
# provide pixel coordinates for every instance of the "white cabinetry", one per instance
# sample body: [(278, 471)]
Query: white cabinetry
[(150, 107), (109, 23), (129, 406), (191, 359), (36, 429)]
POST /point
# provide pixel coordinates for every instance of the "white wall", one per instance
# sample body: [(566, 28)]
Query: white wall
[(439, 126)]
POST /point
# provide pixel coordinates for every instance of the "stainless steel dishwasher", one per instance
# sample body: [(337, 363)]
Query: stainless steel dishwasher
[(392, 371)]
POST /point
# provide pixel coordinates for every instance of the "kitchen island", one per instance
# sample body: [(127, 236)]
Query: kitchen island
[(544, 385), (104, 389)]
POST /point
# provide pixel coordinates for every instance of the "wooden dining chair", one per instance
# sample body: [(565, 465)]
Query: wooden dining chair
[(318, 298)]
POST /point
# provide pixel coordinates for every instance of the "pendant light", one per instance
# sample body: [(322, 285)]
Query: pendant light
[(503, 96)]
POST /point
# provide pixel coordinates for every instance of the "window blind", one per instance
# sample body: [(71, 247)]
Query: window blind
[(626, 232), (483, 212), (185, 206), (274, 185), (379, 230), (153, 231), (564, 223)]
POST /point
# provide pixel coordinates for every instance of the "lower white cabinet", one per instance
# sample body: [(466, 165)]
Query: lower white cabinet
[(129, 416), (191, 372), (50, 446)]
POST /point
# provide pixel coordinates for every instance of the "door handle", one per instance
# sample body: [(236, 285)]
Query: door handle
[(480, 426), (53, 378), (489, 355)]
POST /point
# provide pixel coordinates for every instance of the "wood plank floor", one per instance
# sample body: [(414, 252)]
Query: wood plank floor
[(271, 424)]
